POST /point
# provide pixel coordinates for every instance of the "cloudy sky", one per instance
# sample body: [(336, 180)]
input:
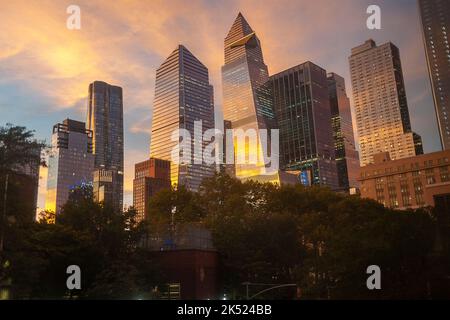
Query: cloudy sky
[(45, 69)]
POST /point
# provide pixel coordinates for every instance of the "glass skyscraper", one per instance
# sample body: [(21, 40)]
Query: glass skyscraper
[(347, 158), (382, 115), (105, 119), (70, 164), (435, 15), (246, 100), (302, 108), (183, 95)]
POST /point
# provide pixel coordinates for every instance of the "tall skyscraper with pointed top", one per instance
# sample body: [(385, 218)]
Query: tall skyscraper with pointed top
[(246, 100), (183, 96)]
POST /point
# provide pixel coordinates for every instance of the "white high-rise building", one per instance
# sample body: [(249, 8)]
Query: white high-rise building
[(382, 115)]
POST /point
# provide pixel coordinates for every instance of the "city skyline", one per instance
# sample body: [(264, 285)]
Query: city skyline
[(138, 89)]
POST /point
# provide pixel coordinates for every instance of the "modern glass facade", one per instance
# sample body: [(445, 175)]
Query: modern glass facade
[(347, 159), (435, 16), (302, 109), (246, 100), (183, 95), (382, 115), (70, 164), (105, 119)]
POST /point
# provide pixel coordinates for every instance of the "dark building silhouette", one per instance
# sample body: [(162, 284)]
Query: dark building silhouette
[(191, 274), (22, 194), (189, 260), (347, 159)]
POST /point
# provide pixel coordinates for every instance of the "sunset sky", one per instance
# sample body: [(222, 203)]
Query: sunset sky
[(45, 69)]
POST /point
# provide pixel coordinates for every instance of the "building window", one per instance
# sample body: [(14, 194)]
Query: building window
[(431, 179), (444, 174), (418, 191), (392, 191), (404, 190), (416, 173), (379, 189)]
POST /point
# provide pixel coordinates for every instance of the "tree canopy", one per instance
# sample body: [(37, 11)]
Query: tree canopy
[(321, 240), (18, 148)]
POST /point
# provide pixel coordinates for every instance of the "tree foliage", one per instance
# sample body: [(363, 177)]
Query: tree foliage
[(321, 240), (88, 234), (18, 148), (318, 239)]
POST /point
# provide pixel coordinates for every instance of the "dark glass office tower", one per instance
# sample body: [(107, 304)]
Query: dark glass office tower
[(435, 16), (302, 109), (246, 101), (105, 119), (183, 95), (347, 159)]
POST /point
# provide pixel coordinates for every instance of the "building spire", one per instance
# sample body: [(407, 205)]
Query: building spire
[(239, 29)]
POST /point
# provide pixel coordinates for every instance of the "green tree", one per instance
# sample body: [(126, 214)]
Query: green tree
[(353, 234), (319, 239), (103, 243), (170, 210), (18, 149)]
